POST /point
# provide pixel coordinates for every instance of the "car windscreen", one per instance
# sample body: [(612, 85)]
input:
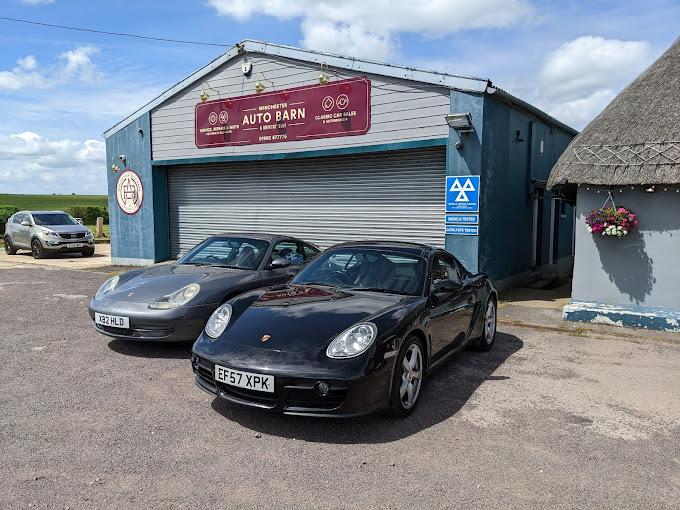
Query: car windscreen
[(45, 219), (235, 252), (361, 269)]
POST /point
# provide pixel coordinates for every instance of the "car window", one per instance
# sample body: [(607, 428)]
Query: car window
[(54, 219), (17, 218), (309, 252), (444, 268), (366, 269), (288, 250), (240, 253)]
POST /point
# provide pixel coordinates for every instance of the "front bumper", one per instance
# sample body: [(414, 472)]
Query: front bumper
[(357, 387), (181, 324), (59, 245)]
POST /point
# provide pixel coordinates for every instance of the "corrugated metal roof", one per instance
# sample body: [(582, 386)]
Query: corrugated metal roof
[(451, 81)]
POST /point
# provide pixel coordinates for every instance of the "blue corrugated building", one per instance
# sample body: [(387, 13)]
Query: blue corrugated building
[(343, 149)]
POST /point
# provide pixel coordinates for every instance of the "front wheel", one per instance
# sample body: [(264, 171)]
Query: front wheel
[(408, 378), (37, 250), (9, 247), (489, 333), (88, 252)]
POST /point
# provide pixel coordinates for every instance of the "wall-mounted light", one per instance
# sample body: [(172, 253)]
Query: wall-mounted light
[(114, 168), (651, 189), (461, 122), (323, 78), (204, 95), (258, 86)]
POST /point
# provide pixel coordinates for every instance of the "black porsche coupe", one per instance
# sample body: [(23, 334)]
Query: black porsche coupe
[(172, 302), (354, 332)]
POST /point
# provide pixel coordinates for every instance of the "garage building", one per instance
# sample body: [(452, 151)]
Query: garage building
[(271, 138)]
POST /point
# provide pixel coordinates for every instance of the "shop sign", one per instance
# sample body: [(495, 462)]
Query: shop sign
[(465, 219), (462, 193), (462, 230), (129, 192), (340, 108)]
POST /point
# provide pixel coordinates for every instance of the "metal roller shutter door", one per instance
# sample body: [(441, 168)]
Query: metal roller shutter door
[(395, 195)]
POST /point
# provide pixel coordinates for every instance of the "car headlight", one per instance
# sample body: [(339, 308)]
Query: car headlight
[(353, 341), (50, 233), (218, 321), (88, 233), (178, 298), (108, 286)]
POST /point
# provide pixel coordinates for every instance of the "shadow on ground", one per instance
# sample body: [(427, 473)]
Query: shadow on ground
[(175, 350), (444, 393)]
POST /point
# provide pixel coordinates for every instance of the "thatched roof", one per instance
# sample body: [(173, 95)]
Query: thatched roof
[(635, 140)]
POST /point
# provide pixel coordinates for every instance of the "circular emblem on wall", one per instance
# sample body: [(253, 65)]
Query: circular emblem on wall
[(129, 192)]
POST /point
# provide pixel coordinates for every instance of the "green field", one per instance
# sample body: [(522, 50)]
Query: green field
[(53, 202)]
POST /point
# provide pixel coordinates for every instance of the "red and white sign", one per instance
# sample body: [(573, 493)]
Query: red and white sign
[(340, 108), (129, 192)]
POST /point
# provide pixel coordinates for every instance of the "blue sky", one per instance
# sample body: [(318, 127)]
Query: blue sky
[(61, 89)]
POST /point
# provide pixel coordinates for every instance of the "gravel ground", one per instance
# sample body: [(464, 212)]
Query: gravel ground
[(545, 420)]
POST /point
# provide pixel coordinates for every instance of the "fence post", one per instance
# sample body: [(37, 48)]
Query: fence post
[(100, 226)]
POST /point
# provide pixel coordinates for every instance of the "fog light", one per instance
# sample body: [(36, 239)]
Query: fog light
[(322, 388), (52, 243), (194, 362)]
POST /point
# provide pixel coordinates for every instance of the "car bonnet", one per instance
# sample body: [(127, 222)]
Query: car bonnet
[(301, 318)]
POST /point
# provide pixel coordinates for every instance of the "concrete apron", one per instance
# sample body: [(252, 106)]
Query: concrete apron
[(24, 259)]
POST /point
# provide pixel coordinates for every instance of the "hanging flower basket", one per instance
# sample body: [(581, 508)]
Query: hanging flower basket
[(611, 221)]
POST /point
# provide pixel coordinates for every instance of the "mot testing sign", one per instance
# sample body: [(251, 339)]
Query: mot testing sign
[(340, 108), (462, 194)]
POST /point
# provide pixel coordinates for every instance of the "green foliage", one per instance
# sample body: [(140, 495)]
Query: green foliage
[(5, 212), (88, 214)]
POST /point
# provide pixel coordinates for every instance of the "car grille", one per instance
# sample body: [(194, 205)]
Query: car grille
[(75, 235), (204, 372), (306, 398), (136, 332), (254, 397)]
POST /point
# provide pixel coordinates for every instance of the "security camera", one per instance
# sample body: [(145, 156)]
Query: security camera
[(122, 157)]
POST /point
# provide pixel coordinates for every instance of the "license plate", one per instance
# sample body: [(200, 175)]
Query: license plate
[(247, 380), (112, 320), (74, 245)]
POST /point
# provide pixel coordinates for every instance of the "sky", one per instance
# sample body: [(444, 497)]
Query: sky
[(61, 89)]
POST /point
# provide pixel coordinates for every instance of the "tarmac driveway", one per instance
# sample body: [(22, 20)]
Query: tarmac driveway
[(101, 258), (545, 420)]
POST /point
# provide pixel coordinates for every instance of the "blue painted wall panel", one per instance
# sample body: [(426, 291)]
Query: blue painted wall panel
[(132, 236), (466, 161)]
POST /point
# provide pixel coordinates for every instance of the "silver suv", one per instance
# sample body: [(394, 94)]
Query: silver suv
[(47, 232)]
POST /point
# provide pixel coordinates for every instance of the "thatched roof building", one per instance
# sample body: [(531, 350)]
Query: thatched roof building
[(635, 140)]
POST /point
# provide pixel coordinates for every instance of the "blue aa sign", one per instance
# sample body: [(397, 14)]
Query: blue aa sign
[(462, 193)]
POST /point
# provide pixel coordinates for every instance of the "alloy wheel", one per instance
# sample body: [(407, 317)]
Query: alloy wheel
[(490, 322), (411, 376)]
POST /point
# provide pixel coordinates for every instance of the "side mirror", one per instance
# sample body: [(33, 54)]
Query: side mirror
[(279, 263), (26, 223), (180, 255), (447, 287)]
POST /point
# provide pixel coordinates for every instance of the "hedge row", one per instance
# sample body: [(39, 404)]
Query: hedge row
[(89, 215), (5, 212)]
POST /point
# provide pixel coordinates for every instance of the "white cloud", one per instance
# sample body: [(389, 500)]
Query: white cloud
[(589, 64), (370, 28), (581, 77), (74, 64), (31, 161)]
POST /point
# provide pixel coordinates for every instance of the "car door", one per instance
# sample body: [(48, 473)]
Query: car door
[(452, 304), (22, 232)]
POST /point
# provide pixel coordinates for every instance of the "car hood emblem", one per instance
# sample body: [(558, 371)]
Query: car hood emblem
[(266, 337)]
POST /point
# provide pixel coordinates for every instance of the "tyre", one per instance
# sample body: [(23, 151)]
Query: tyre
[(37, 249), (9, 247), (408, 378), (88, 252), (488, 337)]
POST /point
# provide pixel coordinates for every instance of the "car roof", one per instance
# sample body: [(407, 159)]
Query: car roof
[(422, 250), (41, 212), (257, 235)]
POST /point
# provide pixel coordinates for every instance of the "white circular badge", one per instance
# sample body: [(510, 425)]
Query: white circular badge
[(129, 192)]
